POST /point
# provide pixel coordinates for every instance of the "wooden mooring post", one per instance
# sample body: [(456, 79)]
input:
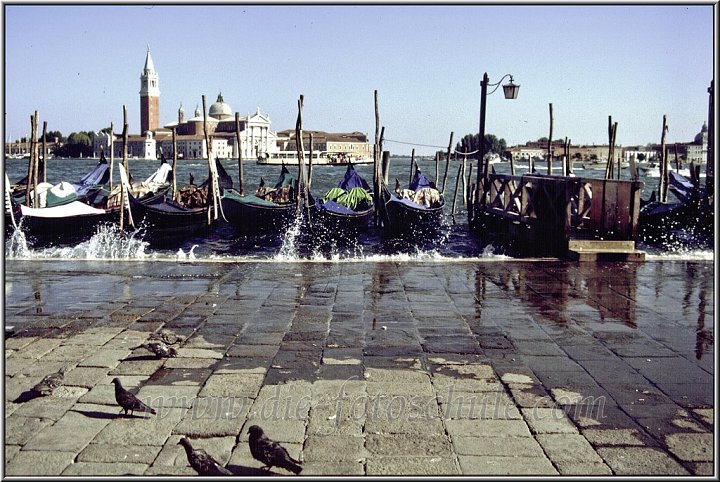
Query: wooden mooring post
[(447, 161), (239, 147), (549, 144)]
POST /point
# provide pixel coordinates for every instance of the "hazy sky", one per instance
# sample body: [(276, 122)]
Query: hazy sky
[(77, 66)]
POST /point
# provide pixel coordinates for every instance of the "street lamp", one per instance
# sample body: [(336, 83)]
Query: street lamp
[(511, 92)]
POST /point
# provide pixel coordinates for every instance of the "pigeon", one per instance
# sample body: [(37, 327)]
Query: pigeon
[(128, 401), (167, 337), (48, 384), (271, 453), (159, 348), (201, 461)]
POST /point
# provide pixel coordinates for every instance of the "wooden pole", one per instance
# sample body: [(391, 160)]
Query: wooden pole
[(28, 183), (447, 161), (125, 163), (512, 165), (457, 185), (376, 163), (310, 164), (300, 155), (36, 162), (615, 160), (677, 161), (112, 154), (568, 160), (710, 161), (549, 145), (662, 188), (176, 196), (240, 162), (211, 185), (464, 186), (386, 166), (412, 163), (44, 150), (470, 187)]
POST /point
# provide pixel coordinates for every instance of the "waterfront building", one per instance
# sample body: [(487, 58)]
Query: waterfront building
[(350, 145)]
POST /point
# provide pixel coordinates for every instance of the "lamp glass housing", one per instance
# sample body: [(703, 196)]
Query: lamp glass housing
[(511, 90)]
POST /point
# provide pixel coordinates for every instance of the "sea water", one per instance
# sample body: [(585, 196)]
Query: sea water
[(222, 244)]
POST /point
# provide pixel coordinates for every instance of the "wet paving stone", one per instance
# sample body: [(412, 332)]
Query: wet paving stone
[(513, 368)]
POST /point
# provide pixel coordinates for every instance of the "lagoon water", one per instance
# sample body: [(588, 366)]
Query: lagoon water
[(221, 243)]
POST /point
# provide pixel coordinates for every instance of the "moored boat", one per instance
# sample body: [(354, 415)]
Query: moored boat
[(269, 210), (346, 209), (415, 212)]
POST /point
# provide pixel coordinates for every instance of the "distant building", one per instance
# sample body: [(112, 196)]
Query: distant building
[(345, 145)]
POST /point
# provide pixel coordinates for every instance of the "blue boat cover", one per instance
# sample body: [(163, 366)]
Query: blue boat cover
[(334, 207), (97, 177), (420, 181), (353, 179), (407, 202)]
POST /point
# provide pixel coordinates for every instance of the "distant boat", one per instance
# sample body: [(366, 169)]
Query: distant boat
[(319, 158)]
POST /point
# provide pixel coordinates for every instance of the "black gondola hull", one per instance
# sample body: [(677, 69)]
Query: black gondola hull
[(250, 218), (403, 220)]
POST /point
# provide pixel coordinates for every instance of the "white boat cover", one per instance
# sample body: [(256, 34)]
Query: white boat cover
[(74, 208)]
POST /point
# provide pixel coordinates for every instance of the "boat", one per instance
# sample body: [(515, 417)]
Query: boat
[(66, 212), (415, 212), (267, 210), (63, 222), (164, 219), (319, 158), (346, 209)]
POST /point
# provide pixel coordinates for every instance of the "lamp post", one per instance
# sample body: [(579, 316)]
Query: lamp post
[(511, 92)]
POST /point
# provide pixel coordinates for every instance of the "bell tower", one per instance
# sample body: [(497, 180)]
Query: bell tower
[(149, 97)]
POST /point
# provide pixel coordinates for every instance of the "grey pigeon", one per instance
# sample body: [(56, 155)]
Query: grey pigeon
[(201, 461), (128, 401), (271, 453), (168, 337), (47, 385), (159, 348)]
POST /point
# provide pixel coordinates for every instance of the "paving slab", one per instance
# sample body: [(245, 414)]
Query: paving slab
[(567, 372)]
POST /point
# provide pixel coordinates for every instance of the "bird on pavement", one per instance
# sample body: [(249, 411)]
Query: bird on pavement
[(271, 453), (129, 401), (167, 337), (159, 348), (47, 385), (201, 461)]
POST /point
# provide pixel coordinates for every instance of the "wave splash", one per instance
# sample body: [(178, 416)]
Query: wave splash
[(108, 242)]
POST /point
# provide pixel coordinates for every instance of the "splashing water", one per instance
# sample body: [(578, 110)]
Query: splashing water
[(190, 255), (289, 249), (108, 242)]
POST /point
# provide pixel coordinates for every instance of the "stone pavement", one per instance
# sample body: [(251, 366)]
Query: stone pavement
[(387, 368)]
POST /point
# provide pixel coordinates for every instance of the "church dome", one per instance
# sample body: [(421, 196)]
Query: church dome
[(220, 110), (702, 134)]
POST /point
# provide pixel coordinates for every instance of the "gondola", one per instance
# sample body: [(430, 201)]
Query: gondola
[(256, 213), (345, 210), (68, 211), (162, 219), (414, 213)]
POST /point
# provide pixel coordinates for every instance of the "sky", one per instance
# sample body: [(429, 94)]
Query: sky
[(77, 65)]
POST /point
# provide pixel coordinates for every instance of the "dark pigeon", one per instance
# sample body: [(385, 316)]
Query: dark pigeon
[(48, 384), (159, 348), (201, 461), (168, 337), (271, 453), (128, 401)]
